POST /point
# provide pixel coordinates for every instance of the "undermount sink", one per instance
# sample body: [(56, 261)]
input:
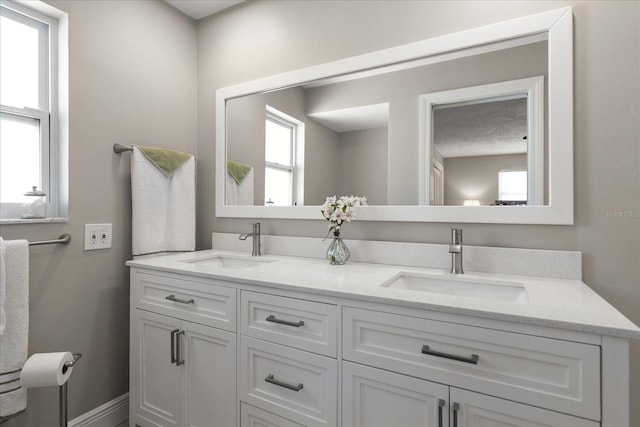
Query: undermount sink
[(229, 261), (460, 286)]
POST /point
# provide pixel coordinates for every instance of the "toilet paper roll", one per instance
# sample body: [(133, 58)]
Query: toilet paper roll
[(46, 369)]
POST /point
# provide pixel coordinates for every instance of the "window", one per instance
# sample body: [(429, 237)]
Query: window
[(512, 186), (284, 148), (28, 108)]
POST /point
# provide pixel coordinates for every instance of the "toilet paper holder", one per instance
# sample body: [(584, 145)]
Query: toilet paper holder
[(63, 402), (69, 364)]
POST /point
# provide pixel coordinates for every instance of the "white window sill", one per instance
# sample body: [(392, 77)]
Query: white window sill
[(7, 221)]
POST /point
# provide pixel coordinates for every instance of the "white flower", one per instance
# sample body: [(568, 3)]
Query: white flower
[(337, 210), (350, 215)]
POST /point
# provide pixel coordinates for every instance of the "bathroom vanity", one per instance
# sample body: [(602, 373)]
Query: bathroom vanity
[(222, 338)]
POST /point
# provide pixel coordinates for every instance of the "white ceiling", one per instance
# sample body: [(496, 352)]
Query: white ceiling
[(198, 9), (485, 129), (356, 118)]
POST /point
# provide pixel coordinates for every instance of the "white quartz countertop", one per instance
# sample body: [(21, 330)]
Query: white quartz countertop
[(562, 303)]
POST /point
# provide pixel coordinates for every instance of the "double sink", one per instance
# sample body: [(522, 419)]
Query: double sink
[(454, 285)]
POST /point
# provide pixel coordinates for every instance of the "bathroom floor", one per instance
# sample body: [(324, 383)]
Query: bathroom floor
[(124, 424)]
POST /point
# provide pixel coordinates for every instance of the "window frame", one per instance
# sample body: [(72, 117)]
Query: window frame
[(47, 112), (296, 158)]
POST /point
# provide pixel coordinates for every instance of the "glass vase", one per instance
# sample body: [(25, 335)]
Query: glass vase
[(337, 253)]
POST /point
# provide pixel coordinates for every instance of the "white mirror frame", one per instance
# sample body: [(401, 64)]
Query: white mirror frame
[(557, 24)]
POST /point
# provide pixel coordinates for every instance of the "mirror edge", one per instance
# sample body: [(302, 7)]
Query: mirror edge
[(558, 23)]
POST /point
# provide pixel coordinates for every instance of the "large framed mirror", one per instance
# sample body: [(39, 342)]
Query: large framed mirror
[(470, 127)]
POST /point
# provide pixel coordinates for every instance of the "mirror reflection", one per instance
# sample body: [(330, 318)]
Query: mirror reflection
[(361, 134), (486, 144), (480, 153)]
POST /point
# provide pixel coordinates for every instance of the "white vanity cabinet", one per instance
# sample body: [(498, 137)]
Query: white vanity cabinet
[(503, 367), (211, 352), (183, 373)]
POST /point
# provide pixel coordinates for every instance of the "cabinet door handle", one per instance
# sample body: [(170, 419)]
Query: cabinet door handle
[(456, 408), (173, 345), (180, 300), (440, 406), (272, 318), (179, 360), (473, 359), (272, 380)]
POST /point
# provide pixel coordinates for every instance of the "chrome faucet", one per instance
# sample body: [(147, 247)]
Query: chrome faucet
[(255, 251), (455, 249)]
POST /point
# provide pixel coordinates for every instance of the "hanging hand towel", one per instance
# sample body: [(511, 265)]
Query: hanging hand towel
[(163, 201), (239, 193), (237, 170), (15, 338)]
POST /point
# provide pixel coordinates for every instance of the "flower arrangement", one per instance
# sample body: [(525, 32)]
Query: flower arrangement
[(337, 211)]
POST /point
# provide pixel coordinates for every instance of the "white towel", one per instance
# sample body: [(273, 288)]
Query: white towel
[(15, 339), (3, 285), (163, 208), (239, 194)]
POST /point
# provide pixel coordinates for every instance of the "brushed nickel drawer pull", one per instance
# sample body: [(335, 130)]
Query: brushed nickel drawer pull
[(272, 318), (272, 380), (473, 359), (173, 345), (456, 408), (180, 300), (179, 360)]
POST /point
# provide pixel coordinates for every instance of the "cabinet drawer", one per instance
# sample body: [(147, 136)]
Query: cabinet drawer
[(188, 299), (295, 384), (560, 375), (307, 325), (250, 416)]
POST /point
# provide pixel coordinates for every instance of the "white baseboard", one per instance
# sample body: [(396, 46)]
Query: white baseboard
[(110, 414)]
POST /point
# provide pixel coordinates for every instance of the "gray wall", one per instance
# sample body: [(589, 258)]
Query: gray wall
[(259, 39), (362, 165), (477, 177), (133, 81)]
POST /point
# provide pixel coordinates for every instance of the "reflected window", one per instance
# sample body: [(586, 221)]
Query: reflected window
[(281, 143), (512, 186)]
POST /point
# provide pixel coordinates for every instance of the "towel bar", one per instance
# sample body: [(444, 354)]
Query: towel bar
[(64, 239), (119, 148)]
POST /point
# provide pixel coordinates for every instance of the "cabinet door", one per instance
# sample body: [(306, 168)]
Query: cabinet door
[(157, 391), (210, 370), (469, 409), (376, 398)]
